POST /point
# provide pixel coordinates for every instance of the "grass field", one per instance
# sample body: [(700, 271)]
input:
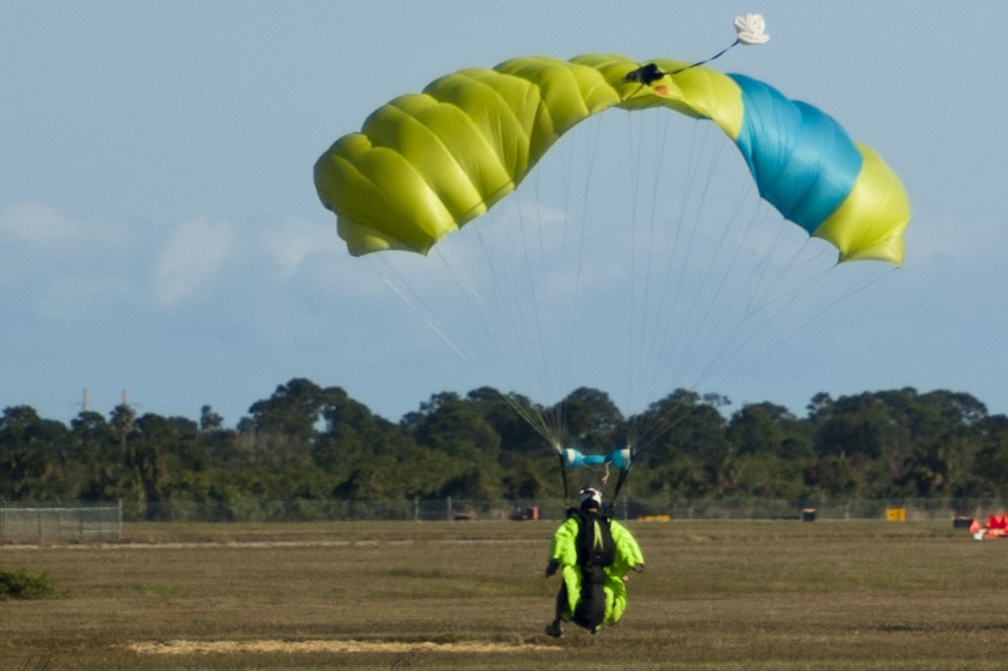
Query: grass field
[(471, 595)]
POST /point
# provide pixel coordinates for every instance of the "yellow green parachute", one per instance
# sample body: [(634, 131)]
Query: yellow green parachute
[(425, 164)]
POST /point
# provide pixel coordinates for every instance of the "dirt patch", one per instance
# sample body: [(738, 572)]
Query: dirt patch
[(180, 647)]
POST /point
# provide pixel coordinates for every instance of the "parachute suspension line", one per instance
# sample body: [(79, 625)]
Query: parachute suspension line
[(580, 205), (733, 344), (500, 311), (533, 260), (406, 291), (401, 287), (660, 322), (413, 300), (538, 327), (478, 301), (749, 31), (733, 341), (712, 289), (646, 139), (673, 322), (766, 291), (713, 286), (579, 189), (555, 321), (761, 290), (687, 227), (762, 299), (822, 309), (509, 307), (658, 278), (642, 321), (764, 285), (413, 296), (537, 353), (576, 205), (633, 349), (690, 224), (467, 287)]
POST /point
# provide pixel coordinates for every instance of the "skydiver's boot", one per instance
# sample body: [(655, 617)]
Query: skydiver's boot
[(554, 629)]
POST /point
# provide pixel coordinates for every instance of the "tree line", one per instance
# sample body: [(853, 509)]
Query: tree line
[(316, 443)]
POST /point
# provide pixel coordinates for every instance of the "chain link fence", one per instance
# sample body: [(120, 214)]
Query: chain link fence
[(61, 523), (90, 522), (627, 508)]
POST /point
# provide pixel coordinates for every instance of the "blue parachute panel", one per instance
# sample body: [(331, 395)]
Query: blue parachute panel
[(802, 160)]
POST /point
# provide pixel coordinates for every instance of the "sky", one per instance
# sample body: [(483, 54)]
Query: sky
[(160, 235)]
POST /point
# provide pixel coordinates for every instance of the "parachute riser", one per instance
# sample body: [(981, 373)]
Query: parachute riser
[(621, 458)]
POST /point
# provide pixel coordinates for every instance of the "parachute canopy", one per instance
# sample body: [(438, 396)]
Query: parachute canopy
[(425, 164)]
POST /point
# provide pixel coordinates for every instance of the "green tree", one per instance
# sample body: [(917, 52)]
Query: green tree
[(210, 420), (771, 447), (990, 469), (592, 421), (507, 414), (32, 456), (353, 438), (104, 472), (455, 427), (857, 427), (283, 426), (683, 444), (941, 438), (860, 431), (150, 444), (528, 462), (832, 476)]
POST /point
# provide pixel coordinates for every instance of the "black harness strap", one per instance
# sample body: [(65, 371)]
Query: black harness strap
[(563, 474)]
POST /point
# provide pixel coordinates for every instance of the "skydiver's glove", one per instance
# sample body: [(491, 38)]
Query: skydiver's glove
[(552, 567), (636, 568)]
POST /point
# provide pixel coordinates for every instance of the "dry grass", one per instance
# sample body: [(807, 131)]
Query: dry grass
[(782, 596)]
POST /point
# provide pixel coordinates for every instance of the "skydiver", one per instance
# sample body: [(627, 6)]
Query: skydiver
[(594, 555)]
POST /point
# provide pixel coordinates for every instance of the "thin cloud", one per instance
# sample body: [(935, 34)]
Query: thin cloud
[(192, 254), (78, 295), (42, 226), (297, 239), (38, 224)]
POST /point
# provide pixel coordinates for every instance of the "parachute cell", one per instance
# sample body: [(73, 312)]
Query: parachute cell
[(425, 164)]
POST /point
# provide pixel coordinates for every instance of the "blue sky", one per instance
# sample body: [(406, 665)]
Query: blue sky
[(160, 232)]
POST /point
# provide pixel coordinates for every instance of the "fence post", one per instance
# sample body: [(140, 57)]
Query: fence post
[(449, 502)]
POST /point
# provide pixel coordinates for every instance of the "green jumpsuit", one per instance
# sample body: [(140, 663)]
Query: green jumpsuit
[(627, 556)]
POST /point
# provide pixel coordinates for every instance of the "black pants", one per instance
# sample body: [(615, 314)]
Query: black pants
[(590, 610)]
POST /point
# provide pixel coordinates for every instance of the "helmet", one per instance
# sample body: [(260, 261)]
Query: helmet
[(591, 498)]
